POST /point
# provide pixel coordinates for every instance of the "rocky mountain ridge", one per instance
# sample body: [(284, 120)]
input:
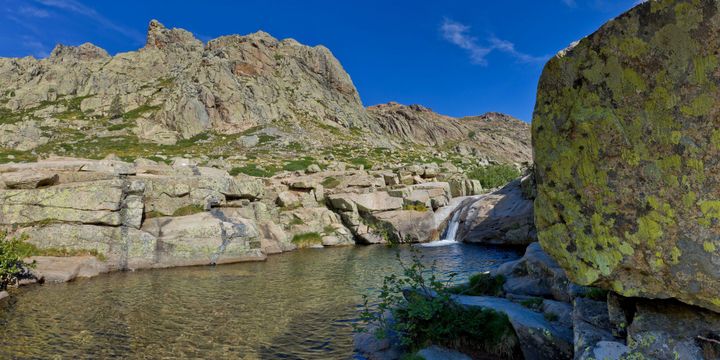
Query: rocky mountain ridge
[(241, 96)]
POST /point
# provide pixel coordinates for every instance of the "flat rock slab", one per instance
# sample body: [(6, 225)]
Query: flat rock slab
[(64, 269), (539, 338)]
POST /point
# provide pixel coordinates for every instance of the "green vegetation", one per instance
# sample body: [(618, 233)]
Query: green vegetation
[(154, 214), (551, 316), (421, 319), (139, 111), (12, 253), (472, 135), (481, 284), (416, 207), (494, 175), (532, 303), (188, 210), (330, 182), (298, 165), (307, 239), (596, 294), (254, 170), (367, 164), (296, 221)]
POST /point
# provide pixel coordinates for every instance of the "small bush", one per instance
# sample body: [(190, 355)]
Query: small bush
[(494, 175), (481, 284), (330, 182), (421, 319), (189, 210), (471, 135), (139, 111), (13, 251), (307, 239)]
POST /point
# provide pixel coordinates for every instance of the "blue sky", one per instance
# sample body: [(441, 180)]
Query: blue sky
[(457, 57)]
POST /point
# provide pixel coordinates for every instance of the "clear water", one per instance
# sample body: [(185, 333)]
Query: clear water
[(298, 305)]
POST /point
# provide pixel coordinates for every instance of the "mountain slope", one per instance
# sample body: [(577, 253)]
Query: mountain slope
[(243, 98)]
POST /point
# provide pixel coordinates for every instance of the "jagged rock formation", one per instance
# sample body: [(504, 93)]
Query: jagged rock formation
[(235, 97), (493, 135), (626, 142)]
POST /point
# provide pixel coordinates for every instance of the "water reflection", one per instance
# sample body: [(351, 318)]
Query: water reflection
[(299, 305)]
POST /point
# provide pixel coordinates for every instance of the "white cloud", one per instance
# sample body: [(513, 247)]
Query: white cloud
[(31, 11), (459, 34), (80, 9)]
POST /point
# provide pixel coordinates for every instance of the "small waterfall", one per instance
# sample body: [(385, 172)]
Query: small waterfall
[(450, 232)]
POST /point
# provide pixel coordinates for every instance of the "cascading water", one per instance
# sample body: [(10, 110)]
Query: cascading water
[(450, 232)]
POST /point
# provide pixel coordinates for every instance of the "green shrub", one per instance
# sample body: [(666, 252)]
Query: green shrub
[(307, 239), (494, 175), (330, 182), (472, 135), (481, 284), (13, 251), (421, 319)]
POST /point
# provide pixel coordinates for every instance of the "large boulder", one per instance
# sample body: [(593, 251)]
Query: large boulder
[(626, 144)]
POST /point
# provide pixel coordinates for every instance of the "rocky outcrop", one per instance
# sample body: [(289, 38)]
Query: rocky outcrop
[(535, 274), (625, 141)]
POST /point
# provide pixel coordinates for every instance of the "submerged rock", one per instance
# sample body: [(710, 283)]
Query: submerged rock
[(626, 142)]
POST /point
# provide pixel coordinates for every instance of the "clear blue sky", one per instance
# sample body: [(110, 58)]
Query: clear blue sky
[(456, 57)]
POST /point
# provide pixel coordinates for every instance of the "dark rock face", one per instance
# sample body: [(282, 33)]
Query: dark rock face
[(626, 146), (503, 217)]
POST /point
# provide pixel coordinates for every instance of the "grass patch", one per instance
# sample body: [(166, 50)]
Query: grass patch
[(367, 164), (298, 165), (117, 127), (188, 210), (551, 316), (494, 175), (307, 239), (296, 221), (481, 284), (330, 182), (254, 170), (139, 111)]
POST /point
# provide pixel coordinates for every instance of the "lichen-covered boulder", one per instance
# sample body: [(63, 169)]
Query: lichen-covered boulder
[(626, 138)]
